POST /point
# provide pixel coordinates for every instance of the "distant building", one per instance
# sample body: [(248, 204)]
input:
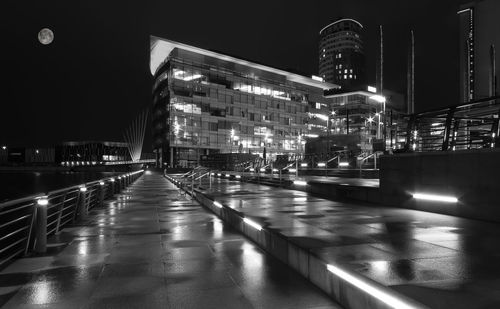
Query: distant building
[(92, 152), (478, 32), (360, 112), (341, 55), (206, 103)]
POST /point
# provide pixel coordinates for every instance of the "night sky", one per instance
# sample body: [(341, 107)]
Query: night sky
[(94, 79)]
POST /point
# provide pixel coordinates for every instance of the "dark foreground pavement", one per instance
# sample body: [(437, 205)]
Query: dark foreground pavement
[(152, 248), (440, 261)]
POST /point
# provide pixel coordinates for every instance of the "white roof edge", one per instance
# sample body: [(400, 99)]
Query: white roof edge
[(161, 48), (338, 21), (343, 94)]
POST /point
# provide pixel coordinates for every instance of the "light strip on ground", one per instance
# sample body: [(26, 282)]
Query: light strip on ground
[(299, 183), (373, 291), (344, 164), (434, 197), (218, 204), (321, 164), (252, 224)]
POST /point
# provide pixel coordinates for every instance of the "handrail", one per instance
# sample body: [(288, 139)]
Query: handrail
[(330, 160), (368, 156), (25, 222)]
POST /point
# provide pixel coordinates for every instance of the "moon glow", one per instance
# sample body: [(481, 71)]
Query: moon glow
[(45, 36)]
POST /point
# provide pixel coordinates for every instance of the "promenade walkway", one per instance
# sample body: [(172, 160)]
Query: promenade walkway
[(152, 248), (440, 261)]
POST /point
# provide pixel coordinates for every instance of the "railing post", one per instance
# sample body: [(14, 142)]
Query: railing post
[(112, 186), (102, 191), (82, 203), (41, 225), (210, 179), (375, 160)]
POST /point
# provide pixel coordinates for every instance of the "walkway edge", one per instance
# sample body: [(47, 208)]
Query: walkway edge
[(347, 288)]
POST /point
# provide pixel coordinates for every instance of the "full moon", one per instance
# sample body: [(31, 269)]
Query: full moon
[(45, 36)]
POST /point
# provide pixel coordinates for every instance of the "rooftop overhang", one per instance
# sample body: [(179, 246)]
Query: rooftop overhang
[(344, 94), (161, 48), (370, 95)]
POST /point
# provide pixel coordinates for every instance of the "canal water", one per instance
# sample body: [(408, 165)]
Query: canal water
[(17, 184)]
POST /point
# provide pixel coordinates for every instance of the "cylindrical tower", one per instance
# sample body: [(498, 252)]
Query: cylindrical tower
[(341, 56)]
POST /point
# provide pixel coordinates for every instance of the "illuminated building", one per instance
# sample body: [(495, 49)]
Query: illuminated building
[(478, 37), (360, 113), (205, 103), (341, 56)]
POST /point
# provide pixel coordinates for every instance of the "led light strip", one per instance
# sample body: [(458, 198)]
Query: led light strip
[(434, 197), (375, 292), (299, 183), (218, 204), (252, 224)]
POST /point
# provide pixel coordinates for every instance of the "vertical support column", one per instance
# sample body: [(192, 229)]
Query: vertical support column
[(41, 225)]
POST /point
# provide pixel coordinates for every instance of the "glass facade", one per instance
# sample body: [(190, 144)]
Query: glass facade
[(205, 103)]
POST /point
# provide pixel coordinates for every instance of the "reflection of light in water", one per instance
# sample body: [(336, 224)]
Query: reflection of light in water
[(300, 199), (251, 265), (83, 248), (41, 293), (380, 266), (218, 228)]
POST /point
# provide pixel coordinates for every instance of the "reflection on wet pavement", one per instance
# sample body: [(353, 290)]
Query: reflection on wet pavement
[(435, 259), (152, 248)]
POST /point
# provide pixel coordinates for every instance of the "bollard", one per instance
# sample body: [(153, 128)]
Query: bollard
[(41, 225), (113, 184), (82, 203), (102, 192)]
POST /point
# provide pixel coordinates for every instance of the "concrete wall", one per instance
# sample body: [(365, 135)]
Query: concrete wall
[(472, 176)]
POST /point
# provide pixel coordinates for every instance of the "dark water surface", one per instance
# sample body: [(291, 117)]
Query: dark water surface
[(23, 183)]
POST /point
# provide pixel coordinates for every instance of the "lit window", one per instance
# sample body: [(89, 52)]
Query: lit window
[(350, 75), (318, 106), (345, 76), (340, 66), (345, 71), (340, 55), (350, 71)]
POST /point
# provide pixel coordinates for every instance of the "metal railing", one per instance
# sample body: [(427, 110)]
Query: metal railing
[(26, 222), (459, 127)]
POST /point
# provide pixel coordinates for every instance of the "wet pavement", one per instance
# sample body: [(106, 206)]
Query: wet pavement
[(440, 261), (153, 248)]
